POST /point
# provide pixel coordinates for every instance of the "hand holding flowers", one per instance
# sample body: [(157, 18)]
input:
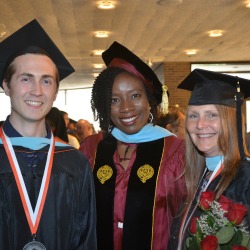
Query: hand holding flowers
[(221, 225)]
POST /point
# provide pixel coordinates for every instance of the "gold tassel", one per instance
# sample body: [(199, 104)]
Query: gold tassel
[(164, 101)]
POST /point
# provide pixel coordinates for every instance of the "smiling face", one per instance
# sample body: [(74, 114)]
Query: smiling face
[(32, 89), (129, 106), (203, 124)]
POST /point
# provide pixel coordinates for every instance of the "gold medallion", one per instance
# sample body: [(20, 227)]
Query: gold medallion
[(145, 172), (104, 173)]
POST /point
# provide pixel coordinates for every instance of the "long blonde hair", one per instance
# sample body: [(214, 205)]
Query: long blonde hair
[(228, 145)]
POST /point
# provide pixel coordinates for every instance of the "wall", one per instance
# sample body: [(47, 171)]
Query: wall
[(174, 73)]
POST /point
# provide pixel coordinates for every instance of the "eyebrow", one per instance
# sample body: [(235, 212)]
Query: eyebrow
[(206, 111), (130, 91), (31, 75), (25, 74)]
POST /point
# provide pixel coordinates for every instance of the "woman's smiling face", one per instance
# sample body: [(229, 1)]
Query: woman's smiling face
[(203, 124), (130, 107)]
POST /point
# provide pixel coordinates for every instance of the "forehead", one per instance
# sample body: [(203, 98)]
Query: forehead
[(127, 81), (83, 124), (202, 108), (34, 62)]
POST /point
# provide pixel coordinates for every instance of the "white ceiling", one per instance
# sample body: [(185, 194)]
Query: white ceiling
[(160, 30)]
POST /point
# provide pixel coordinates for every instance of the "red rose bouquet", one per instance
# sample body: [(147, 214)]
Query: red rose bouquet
[(221, 225)]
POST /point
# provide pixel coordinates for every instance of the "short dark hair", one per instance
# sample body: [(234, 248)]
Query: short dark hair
[(9, 68)]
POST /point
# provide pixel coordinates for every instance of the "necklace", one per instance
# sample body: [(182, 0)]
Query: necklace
[(124, 156)]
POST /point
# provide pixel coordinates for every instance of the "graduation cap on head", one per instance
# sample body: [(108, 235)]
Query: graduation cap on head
[(119, 56), (210, 87), (32, 34)]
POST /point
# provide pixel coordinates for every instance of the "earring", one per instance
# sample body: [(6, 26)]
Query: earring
[(151, 117)]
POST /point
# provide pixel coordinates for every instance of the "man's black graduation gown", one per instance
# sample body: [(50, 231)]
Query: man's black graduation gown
[(68, 217)]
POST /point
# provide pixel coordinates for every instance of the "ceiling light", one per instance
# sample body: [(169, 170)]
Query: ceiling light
[(97, 52), (98, 66), (2, 30), (101, 34), (215, 33), (150, 63), (168, 2), (247, 3), (106, 5), (190, 52)]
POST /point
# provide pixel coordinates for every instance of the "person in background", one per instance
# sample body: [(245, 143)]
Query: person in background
[(57, 124), (137, 166), (65, 116), (73, 141), (216, 156), (71, 126), (83, 129), (71, 129), (174, 121), (47, 198)]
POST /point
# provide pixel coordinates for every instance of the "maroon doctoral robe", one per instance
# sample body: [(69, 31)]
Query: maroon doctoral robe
[(135, 213)]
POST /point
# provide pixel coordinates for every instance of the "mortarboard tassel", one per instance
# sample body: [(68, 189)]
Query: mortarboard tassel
[(239, 119), (164, 101)]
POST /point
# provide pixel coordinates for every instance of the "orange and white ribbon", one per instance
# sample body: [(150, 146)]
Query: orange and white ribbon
[(33, 217)]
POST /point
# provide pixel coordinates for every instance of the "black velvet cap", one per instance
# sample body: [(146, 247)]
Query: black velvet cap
[(32, 34), (210, 87), (116, 50)]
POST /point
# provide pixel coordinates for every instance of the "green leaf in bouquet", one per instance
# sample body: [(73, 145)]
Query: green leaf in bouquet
[(210, 220), (188, 239), (191, 243), (198, 235), (236, 240), (225, 234), (245, 239)]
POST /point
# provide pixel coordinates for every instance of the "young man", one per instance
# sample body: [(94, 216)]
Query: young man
[(46, 189)]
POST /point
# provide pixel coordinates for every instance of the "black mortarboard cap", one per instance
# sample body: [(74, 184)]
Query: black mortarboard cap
[(210, 87), (116, 50), (32, 34)]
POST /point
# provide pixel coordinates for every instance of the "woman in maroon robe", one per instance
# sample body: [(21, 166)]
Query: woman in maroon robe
[(137, 166)]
